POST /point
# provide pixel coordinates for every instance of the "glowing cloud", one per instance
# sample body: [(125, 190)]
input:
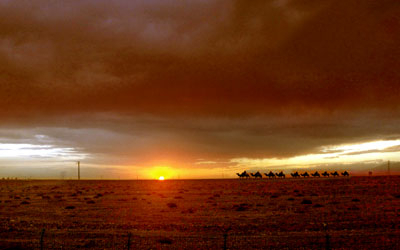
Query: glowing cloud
[(12, 150), (343, 154), (362, 147)]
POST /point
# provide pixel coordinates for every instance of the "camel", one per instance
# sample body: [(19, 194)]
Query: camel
[(257, 175), (335, 174), (243, 175), (295, 175), (325, 174), (345, 173), (305, 175), (316, 174), (270, 174), (280, 175)]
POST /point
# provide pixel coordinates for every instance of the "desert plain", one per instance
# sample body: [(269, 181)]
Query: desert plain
[(307, 213)]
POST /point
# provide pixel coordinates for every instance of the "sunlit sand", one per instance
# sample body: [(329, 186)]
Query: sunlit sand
[(359, 213)]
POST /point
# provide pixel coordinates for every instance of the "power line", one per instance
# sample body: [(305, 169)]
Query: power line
[(79, 170)]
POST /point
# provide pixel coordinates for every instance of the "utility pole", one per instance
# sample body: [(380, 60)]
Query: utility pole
[(79, 170)]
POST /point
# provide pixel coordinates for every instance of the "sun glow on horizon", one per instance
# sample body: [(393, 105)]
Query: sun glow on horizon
[(162, 173)]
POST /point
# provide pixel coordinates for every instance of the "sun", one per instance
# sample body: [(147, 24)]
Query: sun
[(162, 173)]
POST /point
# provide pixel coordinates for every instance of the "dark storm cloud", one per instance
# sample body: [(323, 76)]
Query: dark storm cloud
[(203, 57), (219, 79)]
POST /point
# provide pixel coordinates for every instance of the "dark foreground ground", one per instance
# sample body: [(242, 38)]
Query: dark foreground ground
[(360, 213)]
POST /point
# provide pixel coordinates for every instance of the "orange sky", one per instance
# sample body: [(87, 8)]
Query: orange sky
[(206, 88)]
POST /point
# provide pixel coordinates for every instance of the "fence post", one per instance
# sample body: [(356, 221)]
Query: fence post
[(327, 237), (225, 238), (129, 240), (41, 239)]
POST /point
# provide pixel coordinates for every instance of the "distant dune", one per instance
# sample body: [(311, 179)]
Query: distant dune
[(383, 168), (394, 166)]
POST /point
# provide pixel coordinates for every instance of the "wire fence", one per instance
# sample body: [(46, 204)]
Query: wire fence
[(65, 239)]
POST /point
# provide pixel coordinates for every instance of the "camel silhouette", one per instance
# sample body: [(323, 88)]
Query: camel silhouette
[(280, 175), (270, 174), (325, 174), (316, 174), (345, 173), (257, 175), (305, 175), (335, 174), (244, 174), (295, 175)]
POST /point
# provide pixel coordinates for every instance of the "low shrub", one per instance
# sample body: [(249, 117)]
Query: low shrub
[(305, 201), (165, 240), (172, 205)]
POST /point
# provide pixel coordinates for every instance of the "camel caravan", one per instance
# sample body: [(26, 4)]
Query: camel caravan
[(281, 175)]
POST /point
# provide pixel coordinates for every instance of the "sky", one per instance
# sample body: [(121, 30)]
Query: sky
[(197, 89)]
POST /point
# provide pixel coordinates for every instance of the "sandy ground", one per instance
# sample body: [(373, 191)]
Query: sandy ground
[(359, 213)]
